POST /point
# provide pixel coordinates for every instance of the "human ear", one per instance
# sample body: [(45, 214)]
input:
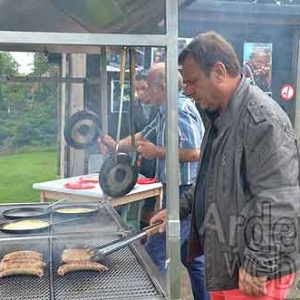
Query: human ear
[(218, 72)]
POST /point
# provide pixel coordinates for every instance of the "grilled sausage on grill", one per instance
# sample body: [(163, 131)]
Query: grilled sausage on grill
[(13, 263), (22, 270), (22, 263), (80, 266), (72, 255), (23, 255)]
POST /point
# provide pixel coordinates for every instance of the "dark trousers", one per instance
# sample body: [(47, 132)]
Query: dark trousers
[(156, 248)]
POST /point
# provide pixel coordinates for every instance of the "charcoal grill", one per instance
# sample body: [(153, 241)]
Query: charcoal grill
[(131, 275)]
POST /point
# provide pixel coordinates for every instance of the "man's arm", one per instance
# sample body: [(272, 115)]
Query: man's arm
[(150, 151), (125, 144), (185, 155), (186, 204), (107, 144)]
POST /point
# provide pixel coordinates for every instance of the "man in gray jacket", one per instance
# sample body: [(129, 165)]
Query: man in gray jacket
[(245, 203)]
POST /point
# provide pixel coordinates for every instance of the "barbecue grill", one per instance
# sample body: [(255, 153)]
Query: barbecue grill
[(131, 274)]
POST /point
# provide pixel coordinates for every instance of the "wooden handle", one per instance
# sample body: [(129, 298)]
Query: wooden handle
[(123, 66)]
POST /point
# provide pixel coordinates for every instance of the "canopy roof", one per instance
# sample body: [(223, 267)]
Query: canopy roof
[(78, 16)]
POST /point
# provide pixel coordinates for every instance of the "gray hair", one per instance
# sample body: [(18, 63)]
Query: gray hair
[(161, 76)]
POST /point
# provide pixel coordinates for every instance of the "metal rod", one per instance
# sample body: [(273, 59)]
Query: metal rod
[(297, 82), (50, 79), (123, 242), (32, 237), (22, 38), (173, 224), (122, 85), (59, 201), (103, 91), (132, 92)]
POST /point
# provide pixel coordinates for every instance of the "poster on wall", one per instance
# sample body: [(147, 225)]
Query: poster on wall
[(257, 64), (158, 53)]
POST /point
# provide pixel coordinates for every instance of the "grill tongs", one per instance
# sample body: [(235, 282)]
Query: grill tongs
[(99, 253)]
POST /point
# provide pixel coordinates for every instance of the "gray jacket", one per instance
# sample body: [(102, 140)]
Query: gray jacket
[(252, 193)]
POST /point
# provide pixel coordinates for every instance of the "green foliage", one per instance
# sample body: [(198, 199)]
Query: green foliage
[(8, 64), (20, 171), (27, 110)]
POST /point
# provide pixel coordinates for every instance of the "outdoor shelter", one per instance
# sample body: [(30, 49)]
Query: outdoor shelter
[(81, 27), (81, 30)]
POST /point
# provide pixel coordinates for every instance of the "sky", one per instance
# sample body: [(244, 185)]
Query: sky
[(25, 61)]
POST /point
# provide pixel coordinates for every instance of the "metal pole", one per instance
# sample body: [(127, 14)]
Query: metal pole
[(173, 224), (103, 91), (122, 87), (64, 96), (297, 82)]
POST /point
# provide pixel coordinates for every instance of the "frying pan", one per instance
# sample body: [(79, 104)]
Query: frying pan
[(28, 212), (45, 228), (82, 129), (93, 210), (25, 212), (117, 176), (119, 173)]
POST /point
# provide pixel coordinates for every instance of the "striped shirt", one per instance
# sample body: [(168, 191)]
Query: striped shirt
[(190, 134)]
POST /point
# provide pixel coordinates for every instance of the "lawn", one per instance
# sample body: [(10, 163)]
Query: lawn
[(20, 171)]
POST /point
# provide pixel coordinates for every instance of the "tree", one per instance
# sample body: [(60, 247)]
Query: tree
[(28, 110), (8, 67)]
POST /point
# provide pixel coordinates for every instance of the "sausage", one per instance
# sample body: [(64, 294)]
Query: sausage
[(24, 263), (80, 266), (22, 270), (23, 254), (72, 255)]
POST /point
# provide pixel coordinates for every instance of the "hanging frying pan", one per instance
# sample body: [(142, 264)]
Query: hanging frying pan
[(117, 176), (82, 129), (119, 173)]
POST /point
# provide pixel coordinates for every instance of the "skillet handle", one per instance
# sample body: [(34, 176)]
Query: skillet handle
[(152, 229), (123, 242)]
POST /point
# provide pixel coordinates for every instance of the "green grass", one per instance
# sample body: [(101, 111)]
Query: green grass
[(20, 171)]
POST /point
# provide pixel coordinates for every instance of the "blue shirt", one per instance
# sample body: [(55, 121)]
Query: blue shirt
[(190, 134)]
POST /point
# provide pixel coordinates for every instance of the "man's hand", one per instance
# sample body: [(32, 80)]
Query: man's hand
[(252, 286), (107, 144), (147, 149), (161, 216)]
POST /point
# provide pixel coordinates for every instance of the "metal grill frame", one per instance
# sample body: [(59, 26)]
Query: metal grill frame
[(49, 284)]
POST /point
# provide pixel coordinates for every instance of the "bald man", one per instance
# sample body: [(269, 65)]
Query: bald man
[(151, 143)]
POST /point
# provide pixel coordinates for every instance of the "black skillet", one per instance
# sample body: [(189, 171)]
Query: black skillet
[(45, 228), (29, 212), (24, 231), (93, 210), (26, 212)]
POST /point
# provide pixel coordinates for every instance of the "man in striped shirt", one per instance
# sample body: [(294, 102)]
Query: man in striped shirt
[(151, 143)]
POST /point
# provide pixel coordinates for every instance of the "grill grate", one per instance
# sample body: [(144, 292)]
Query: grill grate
[(102, 221), (126, 278), (26, 287)]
